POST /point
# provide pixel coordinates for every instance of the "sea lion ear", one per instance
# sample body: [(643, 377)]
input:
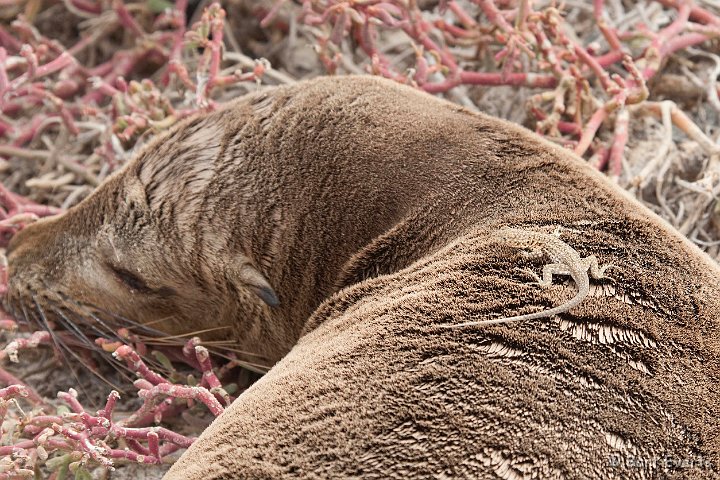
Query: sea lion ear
[(256, 282)]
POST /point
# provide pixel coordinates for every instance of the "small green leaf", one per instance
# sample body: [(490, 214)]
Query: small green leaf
[(62, 472), (82, 474), (62, 410), (158, 6), (164, 361), (58, 462)]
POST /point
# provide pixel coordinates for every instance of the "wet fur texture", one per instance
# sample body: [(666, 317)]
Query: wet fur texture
[(369, 209)]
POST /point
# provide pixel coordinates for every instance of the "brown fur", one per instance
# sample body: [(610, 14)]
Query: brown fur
[(369, 208)]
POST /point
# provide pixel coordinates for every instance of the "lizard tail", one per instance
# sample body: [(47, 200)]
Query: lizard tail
[(528, 316)]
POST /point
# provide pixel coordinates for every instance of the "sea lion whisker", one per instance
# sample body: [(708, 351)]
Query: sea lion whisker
[(221, 344), (224, 344), (78, 306), (125, 321), (254, 367), (107, 330), (228, 347), (60, 344), (31, 321), (72, 327), (149, 360), (173, 340), (98, 326), (119, 367), (154, 322), (63, 347), (214, 350), (195, 333), (257, 367)]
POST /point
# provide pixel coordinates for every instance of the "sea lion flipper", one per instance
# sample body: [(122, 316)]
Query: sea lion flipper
[(258, 284)]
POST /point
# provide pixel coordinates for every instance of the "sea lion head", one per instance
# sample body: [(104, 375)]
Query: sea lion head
[(120, 258)]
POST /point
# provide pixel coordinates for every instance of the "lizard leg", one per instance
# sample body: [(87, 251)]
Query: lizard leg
[(596, 271), (548, 272)]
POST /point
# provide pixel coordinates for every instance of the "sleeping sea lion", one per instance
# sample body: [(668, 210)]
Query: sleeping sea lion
[(336, 227)]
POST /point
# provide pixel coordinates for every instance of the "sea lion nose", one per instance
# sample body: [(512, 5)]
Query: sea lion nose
[(17, 261), (22, 237), (12, 247), (26, 241), (23, 252)]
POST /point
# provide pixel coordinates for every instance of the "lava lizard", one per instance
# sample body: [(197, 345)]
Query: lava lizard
[(566, 261)]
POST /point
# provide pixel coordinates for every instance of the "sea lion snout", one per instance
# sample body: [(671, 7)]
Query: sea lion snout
[(37, 253), (37, 279)]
